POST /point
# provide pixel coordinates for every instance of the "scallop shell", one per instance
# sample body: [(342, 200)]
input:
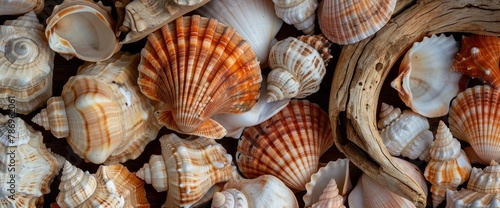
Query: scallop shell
[(300, 13), (288, 145), (479, 57), (297, 70), (142, 17), (405, 134), (255, 20), (26, 62), (83, 29), (235, 123), (483, 189), (370, 193), (265, 191), (9, 7), (474, 118), (27, 167), (198, 67), (425, 82), (449, 166), (350, 21), (102, 112), (330, 197), (188, 169)]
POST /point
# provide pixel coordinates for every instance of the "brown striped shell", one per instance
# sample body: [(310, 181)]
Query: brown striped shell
[(198, 67), (288, 145)]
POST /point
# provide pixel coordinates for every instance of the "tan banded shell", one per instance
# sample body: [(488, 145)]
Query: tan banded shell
[(9, 7)]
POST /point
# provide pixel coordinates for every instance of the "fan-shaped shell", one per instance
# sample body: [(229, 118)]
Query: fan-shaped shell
[(300, 13), (474, 118), (337, 171), (83, 29), (288, 145), (350, 21), (198, 67), (26, 62), (9, 7), (425, 82), (102, 112), (479, 57)]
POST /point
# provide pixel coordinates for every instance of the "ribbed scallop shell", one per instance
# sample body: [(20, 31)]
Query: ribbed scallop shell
[(350, 21), (102, 112), (255, 20), (297, 70), (26, 62), (9, 7), (479, 57), (191, 167), (474, 118), (288, 145), (337, 171), (300, 13), (198, 67), (449, 166), (405, 134), (425, 82), (330, 197), (83, 29)]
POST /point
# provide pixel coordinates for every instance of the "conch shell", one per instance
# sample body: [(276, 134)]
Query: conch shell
[(83, 29), (479, 57), (102, 112), (288, 145), (405, 134), (300, 13), (27, 167), (9, 7), (449, 166), (425, 82), (26, 62), (198, 67), (336, 171), (330, 197), (188, 169)]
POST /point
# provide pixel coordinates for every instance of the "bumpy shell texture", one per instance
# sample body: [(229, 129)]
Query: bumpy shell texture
[(198, 67), (301, 13)]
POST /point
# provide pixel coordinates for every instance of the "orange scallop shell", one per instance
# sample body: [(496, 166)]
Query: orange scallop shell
[(198, 67)]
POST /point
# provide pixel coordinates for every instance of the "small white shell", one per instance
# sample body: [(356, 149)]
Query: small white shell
[(335, 170), (301, 13)]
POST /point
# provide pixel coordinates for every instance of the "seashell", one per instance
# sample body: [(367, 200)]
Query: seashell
[(64, 29), (27, 64), (425, 82), (102, 112), (8, 7), (288, 145), (265, 191), (448, 167), (255, 20), (479, 57), (370, 193), (334, 171), (235, 123), (226, 74), (320, 43), (474, 119), (330, 197), (27, 167), (127, 185), (142, 17), (188, 168), (297, 70), (472, 155), (350, 21), (300, 13), (405, 134), (483, 189)]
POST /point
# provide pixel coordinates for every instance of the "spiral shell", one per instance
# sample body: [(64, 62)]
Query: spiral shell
[(8, 7), (300, 13), (337, 171), (330, 197)]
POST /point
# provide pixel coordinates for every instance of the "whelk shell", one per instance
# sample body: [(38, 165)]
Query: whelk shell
[(330, 197), (198, 67), (9, 7), (300, 13), (27, 63)]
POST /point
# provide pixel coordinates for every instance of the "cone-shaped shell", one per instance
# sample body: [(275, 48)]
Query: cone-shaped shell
[(102, 112), (425, 82), (8, 7), (350, 21), (301, 13), (297, 70), (192, 165), (405, 134), (479, 57), (288, 145), (83, 29), (330, 197), (26, 62), (198, 67), (24, 157), (337, 171), (474, 118), (448, 167), (255, 20)]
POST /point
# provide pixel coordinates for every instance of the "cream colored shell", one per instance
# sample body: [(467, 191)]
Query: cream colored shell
[(10, 7), (300, 13), (337, 171), (330, 197)]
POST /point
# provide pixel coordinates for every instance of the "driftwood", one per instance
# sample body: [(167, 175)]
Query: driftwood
[(363, 67)]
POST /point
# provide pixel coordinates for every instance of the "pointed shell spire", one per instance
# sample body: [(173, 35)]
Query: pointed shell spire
[(338, 171), (53, 118), (330, 197)]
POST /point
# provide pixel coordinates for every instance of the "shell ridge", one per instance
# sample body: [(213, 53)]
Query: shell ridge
[(161, 54)]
